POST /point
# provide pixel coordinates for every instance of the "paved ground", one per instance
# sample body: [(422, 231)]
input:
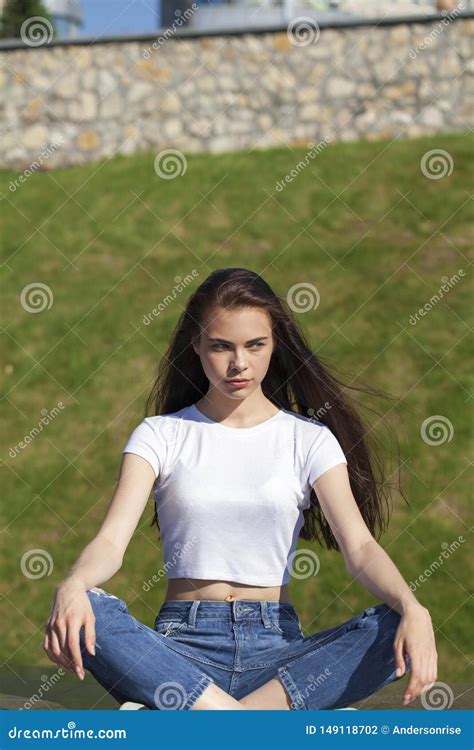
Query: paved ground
[(17, 689)]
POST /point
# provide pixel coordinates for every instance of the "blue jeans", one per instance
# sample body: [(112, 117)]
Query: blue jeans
[(239, 646)]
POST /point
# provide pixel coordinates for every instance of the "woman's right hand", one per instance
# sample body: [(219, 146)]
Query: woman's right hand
[(70, 611)]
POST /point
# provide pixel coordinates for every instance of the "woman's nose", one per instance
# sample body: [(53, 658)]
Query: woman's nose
[(238, 362)]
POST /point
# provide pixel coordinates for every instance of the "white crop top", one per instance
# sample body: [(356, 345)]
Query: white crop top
[(230, 500)]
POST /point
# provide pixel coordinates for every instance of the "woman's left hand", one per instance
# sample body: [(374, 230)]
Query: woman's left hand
[(415, 637)]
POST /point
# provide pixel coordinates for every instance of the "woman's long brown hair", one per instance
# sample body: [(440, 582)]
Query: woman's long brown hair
[(296, 380)]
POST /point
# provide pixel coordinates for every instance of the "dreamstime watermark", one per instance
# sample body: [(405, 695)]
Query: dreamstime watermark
[(303, 563), (36, 563), (46, 684), (436, 164), (302, 31), (414, 51), (46, 419), (314, 151), (70, 732), (181, 549), (448, 550), (182, 17), (303, 297), (313, 684), (316, 415), (36, 31), (180, 286), (170, 163), (437, 430), (172, 696), (35, 165), (438, 697), (446, 285), (36, 297)]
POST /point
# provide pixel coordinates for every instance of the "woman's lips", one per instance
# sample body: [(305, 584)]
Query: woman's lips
[(238, 383)]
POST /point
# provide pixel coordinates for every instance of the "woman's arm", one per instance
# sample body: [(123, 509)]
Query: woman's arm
[(98, 562), (364, 557), (103, 556), (375, 571), (369, 564)]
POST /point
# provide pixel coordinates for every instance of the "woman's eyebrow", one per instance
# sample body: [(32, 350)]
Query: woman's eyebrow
[(251, 341)]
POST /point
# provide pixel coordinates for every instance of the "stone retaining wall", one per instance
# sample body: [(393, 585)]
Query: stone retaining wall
[(68, 104)]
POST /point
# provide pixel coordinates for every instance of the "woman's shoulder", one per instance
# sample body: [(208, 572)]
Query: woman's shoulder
[(305, 424), (155, 435), (309, 433), (167, 423)]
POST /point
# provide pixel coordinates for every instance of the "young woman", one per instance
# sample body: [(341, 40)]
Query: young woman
[(241, 470)]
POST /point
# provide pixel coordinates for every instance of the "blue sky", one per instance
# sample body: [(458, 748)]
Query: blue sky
[(103, 17)]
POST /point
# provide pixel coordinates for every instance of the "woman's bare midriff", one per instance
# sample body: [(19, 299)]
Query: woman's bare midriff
[(225, 591)]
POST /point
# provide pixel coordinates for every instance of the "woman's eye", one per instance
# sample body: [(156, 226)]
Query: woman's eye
[(224, 346)]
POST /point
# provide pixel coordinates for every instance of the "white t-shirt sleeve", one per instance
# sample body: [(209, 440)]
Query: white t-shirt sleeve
[(147, 443), (324, 452)]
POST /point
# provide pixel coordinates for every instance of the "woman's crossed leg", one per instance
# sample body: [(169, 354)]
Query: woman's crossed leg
[(330, 669), (133, 662), (333, 668)]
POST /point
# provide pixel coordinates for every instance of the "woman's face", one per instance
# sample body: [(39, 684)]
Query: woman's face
[(236, 344)]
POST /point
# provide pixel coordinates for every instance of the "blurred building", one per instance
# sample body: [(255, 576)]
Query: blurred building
[(66, 16), (171, 9), (241, 14), (215, 14)]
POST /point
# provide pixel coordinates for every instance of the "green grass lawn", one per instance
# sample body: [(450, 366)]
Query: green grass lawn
[(360, 222)]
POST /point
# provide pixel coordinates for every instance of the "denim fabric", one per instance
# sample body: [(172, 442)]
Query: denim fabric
[(239, 646)]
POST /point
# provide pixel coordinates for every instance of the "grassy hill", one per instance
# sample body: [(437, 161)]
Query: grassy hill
[(361, 222)]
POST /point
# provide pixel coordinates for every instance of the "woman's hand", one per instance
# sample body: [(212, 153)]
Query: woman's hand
[(415, 637), (70, 611)]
